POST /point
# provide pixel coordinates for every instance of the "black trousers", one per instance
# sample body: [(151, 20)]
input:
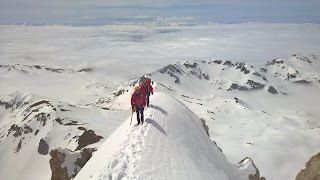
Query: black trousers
[(139, 111), (147, 99)]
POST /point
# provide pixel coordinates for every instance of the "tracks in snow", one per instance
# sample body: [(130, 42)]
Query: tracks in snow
[(123, 164)]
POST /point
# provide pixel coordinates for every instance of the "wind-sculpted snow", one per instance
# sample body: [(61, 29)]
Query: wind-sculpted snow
[(171, 144)]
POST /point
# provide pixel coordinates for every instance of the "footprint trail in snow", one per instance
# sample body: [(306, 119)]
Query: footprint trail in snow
[(123, 164)]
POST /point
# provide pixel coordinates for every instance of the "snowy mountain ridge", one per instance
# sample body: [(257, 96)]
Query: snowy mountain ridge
[(244, 116), (217, 76), (298, 69), (273, 116), (171, 144)]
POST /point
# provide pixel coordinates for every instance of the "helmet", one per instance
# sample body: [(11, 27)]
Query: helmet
[(136, 88)]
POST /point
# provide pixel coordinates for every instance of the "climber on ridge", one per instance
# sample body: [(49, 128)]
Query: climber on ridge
[(138, 102), (146, 89)]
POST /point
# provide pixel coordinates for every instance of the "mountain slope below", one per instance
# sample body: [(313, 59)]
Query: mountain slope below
[(171, 144), (33, 128)]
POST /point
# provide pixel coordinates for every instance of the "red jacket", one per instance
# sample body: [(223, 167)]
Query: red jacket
[(144, 88), (138, 100)]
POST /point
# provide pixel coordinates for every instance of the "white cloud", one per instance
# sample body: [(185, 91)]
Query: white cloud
[(146, 48)]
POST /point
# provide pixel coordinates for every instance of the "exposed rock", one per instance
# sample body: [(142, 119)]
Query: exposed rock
[(302, 82), (312, 170), (239, 101), (121, 91), (43, 147), (42, 118), (255, 85), (85, 70), (36, 133), (72, 123), (205, 127), (37, 66), (27, 129), (57, 159), (6, 105), (37, 104), (242, 68), (205, 76), (243, 88), (86, 154), (194, 65), (263, 70), (248, 163), (218, 147), (257, 74), (16, 129), (172, 70), (17, 149), (54, 70), (275, 61), (302, 57), (59, 121), (228, 63), (234, 86), (291, 76), (217, 61), (62, 170), (272, 90), (88, 137), (82, 128)]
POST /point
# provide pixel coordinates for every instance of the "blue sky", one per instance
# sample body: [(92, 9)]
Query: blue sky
[(228, 11)]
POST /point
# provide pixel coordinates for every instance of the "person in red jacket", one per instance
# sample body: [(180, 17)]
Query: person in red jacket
[(138, 102), (146, 89)]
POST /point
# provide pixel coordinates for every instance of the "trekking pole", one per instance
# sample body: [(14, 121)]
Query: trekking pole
[(131, 118)]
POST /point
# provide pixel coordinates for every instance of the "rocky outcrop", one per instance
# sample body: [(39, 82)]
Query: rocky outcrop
[(302, 82), (302, 57), (272, 90), (252, 86), (254, 171), (57, 159), (86, 154), (312, 170), (88, 137), (66, 164), (274, 61), (43, 147), (172, 70), (205, 127)]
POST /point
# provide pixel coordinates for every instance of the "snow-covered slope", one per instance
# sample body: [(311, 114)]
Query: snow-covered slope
[(255, 118), (250, 111), (299, 68), (171, 144), (211, 76), (32, 127)]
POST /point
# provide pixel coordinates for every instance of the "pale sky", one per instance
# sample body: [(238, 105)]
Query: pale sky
[(229, 11)]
